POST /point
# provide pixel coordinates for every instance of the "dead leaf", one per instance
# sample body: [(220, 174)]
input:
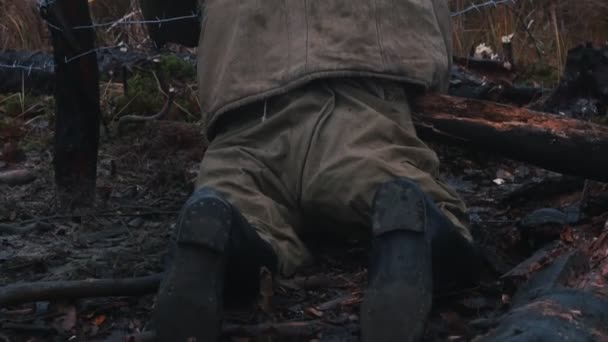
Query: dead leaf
[(99, 320), (70, 318), (567, 235)]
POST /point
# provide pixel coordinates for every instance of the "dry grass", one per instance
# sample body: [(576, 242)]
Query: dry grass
[(544, 29), (21, 27)]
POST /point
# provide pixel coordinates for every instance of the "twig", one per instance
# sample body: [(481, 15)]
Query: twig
[(286, 329), (27, 327), (105, 213), (8, 229), (329, 305), (16, 177), (53, 290), (526, 27), (138, 118)]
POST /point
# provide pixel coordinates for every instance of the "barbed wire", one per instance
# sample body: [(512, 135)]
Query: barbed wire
[(136, 22), (29, 68), (124, 21), (477, 7)]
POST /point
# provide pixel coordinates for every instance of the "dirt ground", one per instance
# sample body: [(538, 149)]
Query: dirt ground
[(146, 173)]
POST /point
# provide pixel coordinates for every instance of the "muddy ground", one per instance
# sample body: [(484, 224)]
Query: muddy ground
[(145, 174)]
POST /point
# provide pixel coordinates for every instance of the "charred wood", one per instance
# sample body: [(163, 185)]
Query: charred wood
[(556, 143)]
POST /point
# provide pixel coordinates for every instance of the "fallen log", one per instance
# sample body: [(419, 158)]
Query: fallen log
[(553, 142)]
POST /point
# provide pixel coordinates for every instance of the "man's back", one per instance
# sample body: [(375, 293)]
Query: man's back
[(250, 50)]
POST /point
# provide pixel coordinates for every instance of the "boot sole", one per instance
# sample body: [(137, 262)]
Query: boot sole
[(190, 302), (399, 297)]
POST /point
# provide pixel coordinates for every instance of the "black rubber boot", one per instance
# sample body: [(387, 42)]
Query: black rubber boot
[(405, 226), (216, 252)]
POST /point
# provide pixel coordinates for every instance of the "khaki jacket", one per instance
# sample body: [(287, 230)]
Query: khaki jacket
[(250, 50)]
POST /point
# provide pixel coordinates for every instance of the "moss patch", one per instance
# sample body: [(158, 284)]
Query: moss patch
[(144, 97), (173, 67)]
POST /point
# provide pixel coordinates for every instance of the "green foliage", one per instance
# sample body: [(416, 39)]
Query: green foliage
[(143, 97), (17, 104), (173, 67)]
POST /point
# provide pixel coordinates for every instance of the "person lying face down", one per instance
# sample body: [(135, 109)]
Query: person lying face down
[(308, 112)]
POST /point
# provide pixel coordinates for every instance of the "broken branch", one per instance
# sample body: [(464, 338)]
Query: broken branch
[(8, 229), (54, 290), (287, 329), (16, 177), (138, 118)]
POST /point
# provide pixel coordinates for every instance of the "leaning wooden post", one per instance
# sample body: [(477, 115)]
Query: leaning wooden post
[(77, 112)]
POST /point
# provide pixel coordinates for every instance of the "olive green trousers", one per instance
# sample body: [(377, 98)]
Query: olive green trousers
[(321, 151)]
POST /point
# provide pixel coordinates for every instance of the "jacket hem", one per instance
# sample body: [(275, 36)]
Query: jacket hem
[(214, 115)]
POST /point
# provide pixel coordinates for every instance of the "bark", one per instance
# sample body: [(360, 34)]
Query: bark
[(553, 142), (77, 101)]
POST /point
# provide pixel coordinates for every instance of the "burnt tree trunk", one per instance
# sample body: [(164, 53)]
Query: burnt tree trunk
[(77, 101), (553, 142)]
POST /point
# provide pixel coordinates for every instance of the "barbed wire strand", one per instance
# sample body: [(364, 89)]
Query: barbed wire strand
[(28, 68), (477, 7), (122, 21), (135, 22)]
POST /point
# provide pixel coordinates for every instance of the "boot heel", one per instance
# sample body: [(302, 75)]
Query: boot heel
[(398, 298), (190, 300)]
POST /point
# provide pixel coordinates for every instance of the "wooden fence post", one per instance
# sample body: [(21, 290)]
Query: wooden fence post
[(77, 112)]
